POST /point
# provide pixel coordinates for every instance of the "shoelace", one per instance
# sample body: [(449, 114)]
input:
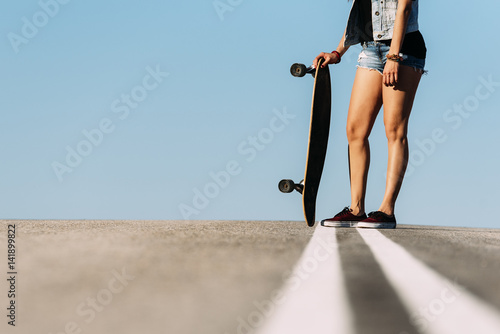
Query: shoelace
[(344, 212)]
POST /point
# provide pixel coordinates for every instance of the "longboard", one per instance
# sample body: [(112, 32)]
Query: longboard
[(319, 129)]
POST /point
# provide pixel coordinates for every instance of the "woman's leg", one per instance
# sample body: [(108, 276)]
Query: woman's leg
[(365, 103), (398, 102)]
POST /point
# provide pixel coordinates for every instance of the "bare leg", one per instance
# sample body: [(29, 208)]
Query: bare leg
[(365, 103), (398, 102)]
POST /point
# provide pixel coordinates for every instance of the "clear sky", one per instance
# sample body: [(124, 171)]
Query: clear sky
[(186, 110)]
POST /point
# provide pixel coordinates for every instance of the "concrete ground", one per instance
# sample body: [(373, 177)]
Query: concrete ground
[(213, 277)]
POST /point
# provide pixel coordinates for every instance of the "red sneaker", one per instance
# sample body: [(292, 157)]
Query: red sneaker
[(344, 218), (378, 219)]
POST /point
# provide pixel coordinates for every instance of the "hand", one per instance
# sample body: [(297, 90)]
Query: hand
[(330, 58), (390, 75)]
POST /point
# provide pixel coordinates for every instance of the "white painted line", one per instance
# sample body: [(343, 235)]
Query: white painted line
[(314, 299), (435, 304)]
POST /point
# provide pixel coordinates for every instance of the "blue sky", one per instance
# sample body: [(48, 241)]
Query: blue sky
[(186, 110)]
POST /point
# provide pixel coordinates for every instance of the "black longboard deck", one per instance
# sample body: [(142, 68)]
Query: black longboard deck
[(319, 130)]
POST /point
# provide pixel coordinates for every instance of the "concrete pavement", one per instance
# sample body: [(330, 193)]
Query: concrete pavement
[(231, 277)]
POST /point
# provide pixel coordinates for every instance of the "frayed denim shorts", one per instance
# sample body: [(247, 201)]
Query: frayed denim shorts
[(373, 56)]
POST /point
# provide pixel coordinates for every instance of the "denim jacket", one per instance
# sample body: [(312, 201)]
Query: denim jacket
[(383, 17)]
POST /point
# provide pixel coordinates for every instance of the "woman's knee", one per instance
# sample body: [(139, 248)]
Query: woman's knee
[(395, 132), (356, 133)]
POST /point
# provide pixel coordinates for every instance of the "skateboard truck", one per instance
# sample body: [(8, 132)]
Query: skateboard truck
[(300, 70), (288, 186)]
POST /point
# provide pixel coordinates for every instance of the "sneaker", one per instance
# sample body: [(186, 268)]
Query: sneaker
[(378, 219), (343, 219)]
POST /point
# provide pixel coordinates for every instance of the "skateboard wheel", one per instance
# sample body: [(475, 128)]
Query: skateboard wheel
[(298, 70), (286, 186)]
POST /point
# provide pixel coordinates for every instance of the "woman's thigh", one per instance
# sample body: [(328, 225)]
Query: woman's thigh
[(365, 103), (398, 101)]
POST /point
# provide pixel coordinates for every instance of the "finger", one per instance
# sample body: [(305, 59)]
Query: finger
[(315, 61), (327, 59), (389, 79), (324, 55)]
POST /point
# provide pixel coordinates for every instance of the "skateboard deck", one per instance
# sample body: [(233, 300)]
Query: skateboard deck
[(319, 129)]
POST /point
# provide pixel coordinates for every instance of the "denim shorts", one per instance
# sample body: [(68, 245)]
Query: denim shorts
[(373, 56)]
